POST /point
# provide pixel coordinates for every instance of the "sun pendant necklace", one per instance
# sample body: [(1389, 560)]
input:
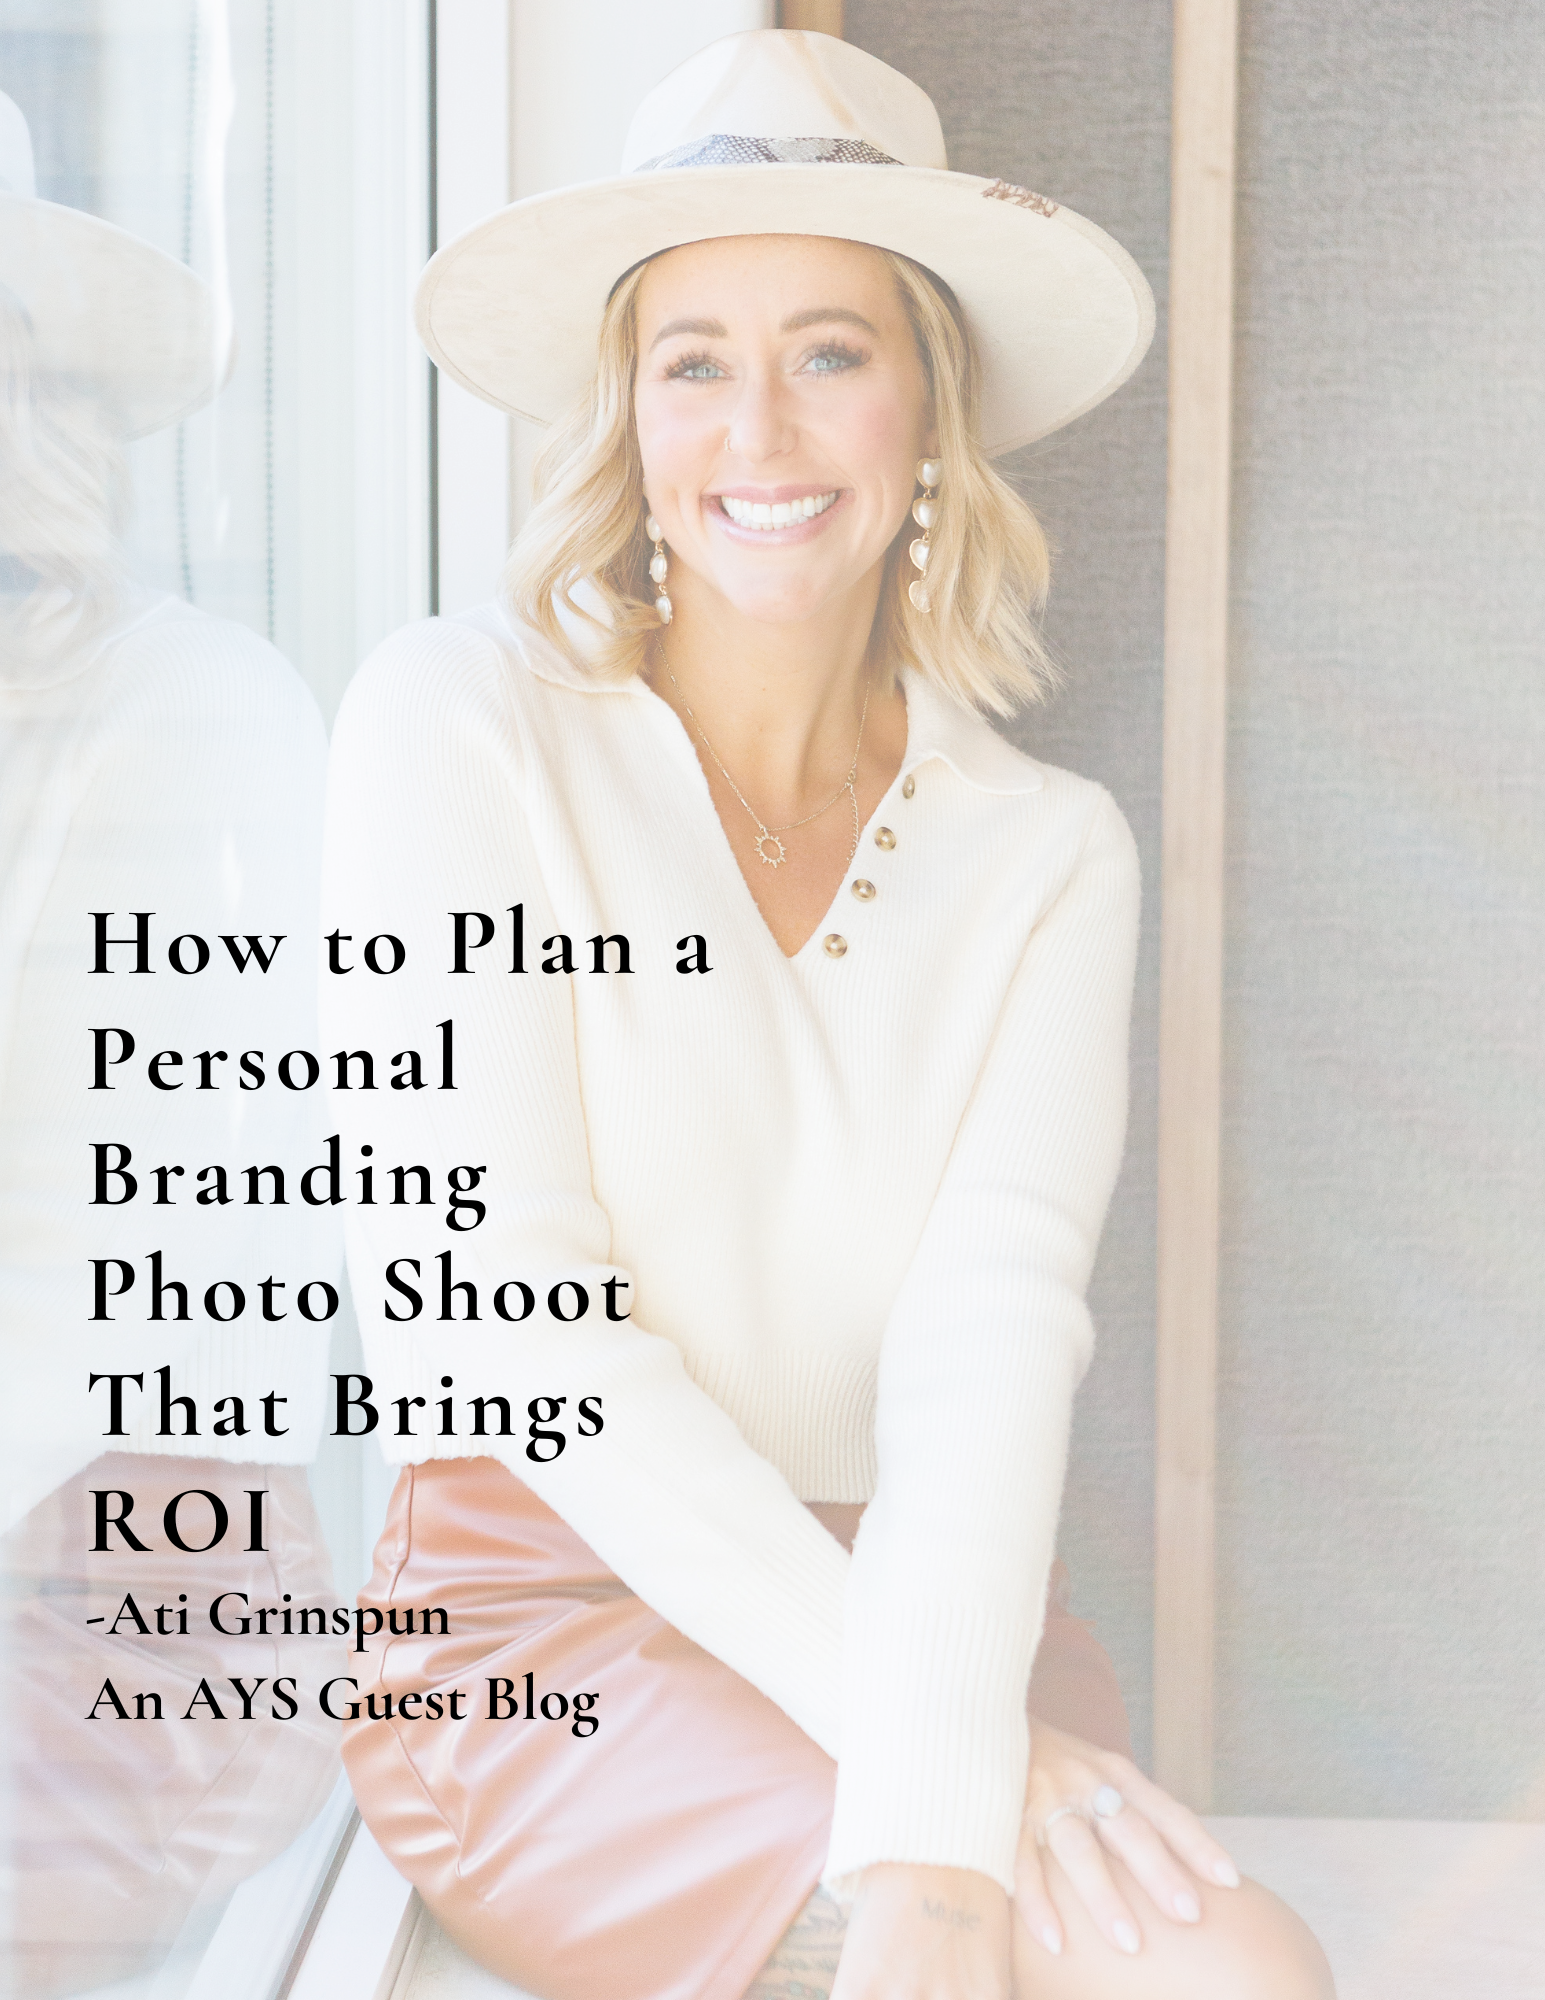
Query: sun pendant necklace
[(768, 846)]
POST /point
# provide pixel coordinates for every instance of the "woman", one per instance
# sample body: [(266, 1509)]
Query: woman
[(789, 1008)]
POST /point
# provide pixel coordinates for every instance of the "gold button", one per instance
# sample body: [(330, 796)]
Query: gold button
[(908, 786), (883, 837), (833, 945), (864, 891)]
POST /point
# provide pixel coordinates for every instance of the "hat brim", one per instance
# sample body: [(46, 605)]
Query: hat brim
[(120, 320), (1060, 314)]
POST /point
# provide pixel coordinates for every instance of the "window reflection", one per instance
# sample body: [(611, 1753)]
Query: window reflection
[(211, 504)]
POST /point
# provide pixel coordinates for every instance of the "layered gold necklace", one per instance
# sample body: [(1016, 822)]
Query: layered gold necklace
[(768, 846)]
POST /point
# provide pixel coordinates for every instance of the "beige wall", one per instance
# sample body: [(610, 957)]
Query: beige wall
[(1382, 1382)]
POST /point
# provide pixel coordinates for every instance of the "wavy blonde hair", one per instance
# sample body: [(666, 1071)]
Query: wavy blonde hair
[(988, 566)]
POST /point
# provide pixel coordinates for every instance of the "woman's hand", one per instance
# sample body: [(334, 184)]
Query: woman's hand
[(925, 1934), (1162, 1843)]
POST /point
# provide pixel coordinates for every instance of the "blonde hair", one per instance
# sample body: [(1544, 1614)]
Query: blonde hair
[(988, 566)]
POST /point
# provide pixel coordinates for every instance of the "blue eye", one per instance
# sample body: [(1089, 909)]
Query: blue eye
[(694, 368), (834, 359)]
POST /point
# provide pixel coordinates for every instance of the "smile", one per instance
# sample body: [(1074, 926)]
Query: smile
[(776, 514)]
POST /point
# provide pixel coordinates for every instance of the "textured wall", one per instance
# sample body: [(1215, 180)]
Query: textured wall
[(1383, 1421), (1382, 1437), (1074, 101)]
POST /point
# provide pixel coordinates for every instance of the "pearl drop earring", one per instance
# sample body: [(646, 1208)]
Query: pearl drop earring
[(925, 511), (659, 568)]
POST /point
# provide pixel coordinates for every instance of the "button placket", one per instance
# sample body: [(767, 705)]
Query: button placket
[(834, 944)]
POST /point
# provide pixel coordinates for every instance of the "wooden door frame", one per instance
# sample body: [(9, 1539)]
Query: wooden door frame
[(1201, 339)]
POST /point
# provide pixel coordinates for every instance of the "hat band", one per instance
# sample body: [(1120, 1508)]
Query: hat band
[(737, 149)]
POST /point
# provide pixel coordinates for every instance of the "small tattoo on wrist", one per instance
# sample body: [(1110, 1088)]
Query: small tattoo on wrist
[(960, 1920)]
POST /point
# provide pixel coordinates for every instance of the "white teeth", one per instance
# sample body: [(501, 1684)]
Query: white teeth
[(779, 514)]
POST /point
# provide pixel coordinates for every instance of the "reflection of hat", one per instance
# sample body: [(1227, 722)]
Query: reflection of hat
[(788, 132), (126, 324)]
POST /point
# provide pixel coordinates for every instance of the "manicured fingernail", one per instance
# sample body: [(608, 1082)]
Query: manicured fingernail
[(1226, 1873), (1052, 1939), (1126, 1936), (1187, 1908)]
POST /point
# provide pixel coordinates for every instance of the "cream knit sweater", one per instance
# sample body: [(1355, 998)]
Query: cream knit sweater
[(855, 1198)]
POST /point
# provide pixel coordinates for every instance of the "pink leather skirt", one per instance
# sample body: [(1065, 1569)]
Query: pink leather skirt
[(660, 1855)]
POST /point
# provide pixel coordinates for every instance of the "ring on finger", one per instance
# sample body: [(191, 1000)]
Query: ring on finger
[(1106, 1803), (1043, 1831)]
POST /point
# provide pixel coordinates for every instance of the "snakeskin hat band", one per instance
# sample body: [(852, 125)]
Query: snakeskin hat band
[(791, 133)]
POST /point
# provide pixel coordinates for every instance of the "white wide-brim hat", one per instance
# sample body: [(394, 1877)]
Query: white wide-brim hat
[(792, 133), (113, 316)]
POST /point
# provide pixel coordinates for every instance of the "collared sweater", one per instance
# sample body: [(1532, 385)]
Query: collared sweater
[(850, 1198)]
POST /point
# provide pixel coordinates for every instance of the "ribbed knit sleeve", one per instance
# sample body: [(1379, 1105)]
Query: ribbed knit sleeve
[(430, 810), (985, 1344)]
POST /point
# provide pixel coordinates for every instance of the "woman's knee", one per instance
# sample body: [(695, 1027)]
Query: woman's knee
[(1249, 1945)]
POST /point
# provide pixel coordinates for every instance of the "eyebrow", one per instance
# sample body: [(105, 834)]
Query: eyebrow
[(713, 329), (709, 329), (824, 315)]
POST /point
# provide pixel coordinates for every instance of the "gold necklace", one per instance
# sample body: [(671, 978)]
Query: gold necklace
[(767, 836)]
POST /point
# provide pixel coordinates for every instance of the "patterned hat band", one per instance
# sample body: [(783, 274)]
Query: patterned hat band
[(765, 123), (732, 149)]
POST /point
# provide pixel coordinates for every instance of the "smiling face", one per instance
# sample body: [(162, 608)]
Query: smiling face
[(781, 408)]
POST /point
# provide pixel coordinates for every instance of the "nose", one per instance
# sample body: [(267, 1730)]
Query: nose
[(762, 426)]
